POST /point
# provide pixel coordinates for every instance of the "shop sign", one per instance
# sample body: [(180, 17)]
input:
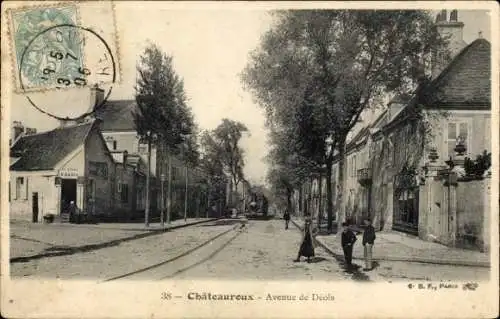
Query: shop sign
[(68, 172)]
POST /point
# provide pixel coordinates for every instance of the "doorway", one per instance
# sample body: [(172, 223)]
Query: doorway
[(34, 206), (68, 193)]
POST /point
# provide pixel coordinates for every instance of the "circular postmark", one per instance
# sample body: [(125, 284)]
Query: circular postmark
[(65, 60)]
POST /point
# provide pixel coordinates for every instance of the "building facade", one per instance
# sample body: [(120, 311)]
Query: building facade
[(52, 169), (387, 162)]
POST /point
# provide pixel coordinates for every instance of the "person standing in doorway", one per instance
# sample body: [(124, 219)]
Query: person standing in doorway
[(286, 217), (368, 241), (348, 240)]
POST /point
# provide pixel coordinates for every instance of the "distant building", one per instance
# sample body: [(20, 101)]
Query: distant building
[(120, 134)]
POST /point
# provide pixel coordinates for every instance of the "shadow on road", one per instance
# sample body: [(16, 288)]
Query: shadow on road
[(317, 260), (357, 275)]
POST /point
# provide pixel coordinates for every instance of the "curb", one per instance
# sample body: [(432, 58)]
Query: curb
[(86, 248), (478, 264)]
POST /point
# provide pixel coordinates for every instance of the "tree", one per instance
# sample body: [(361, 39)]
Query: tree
[(322, 68), (212, 165), (227, 137), (162, 118)]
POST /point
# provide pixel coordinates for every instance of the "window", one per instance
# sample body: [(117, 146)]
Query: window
[(19, 185), (456, 130), (114, 145), (124, 193)]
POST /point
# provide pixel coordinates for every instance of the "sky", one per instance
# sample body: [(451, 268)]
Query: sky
[(209, 48)]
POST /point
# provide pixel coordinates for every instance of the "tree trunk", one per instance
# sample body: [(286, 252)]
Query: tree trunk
[(310, 201), (289, 200), (169, 187), (341, 190), (148, 184), (301, 198), (185, 192), (320, 197), (329, 197)]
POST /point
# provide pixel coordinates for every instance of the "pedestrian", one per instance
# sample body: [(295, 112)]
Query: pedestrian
[(307, 245), (286, 217), (348, 240), (368, 241)]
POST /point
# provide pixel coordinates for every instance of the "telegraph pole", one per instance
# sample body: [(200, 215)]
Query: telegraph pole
[(169, 186), (148, 181), (186, 193), (162, 200)]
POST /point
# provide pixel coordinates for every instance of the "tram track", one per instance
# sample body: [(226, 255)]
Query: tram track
[(164, 269)]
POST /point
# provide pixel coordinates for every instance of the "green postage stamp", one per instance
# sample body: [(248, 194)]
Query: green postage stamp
[(47, 55), (62, 46)]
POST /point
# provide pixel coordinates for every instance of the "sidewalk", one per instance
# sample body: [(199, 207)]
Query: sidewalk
[(32, 241), (395, 246)]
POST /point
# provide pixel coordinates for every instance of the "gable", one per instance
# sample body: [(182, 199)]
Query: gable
[(466, 82)]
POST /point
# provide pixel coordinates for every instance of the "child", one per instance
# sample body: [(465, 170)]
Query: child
[(368, 240), (348, 240)]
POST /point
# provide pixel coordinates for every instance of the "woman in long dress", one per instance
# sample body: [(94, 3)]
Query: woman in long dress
[(307, 245)]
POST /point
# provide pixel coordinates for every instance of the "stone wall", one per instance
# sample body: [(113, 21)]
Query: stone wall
[(473, 213)]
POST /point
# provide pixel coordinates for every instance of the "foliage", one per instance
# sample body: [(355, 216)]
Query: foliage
[(225, 143), (316, 71), (161, 101), (476, 168)]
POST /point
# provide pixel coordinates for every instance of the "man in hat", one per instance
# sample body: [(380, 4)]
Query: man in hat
[(348, 240)]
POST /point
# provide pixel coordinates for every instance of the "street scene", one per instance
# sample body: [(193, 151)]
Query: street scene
[(251, 253), (315, 145)]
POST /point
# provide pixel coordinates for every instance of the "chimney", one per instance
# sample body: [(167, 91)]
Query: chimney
[(96, 97), (16, 131), (452, 31)]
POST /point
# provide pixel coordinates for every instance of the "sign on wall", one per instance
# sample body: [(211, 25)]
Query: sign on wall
[(68, 172), (99, 169)]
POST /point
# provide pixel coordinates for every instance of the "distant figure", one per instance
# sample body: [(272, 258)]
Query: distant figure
[(368, 241), (286, 217), (307, 245), (72, 212), (348, 240)]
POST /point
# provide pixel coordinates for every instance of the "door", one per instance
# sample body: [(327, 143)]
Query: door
[(34, 206), (405, 209)]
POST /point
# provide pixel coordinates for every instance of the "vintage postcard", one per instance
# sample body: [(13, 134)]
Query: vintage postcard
[(249, 159)]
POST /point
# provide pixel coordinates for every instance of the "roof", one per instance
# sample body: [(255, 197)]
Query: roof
[(464, 84), (116, 115), (466, 81), (45, 150)]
